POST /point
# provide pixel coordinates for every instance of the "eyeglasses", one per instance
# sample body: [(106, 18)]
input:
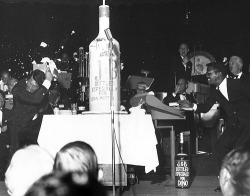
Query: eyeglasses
[(211, 73)]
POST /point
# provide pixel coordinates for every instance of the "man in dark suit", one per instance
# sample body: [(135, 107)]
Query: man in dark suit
[(235, 67), (180, 66), (28, 98), (233, 96), (4, 136)]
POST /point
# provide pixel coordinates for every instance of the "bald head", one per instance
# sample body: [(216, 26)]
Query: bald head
[(11, 83)]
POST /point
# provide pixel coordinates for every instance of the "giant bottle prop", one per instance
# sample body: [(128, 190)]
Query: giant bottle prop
[(104, 68)]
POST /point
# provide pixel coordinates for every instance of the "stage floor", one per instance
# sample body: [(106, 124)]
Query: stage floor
[(201, 185), (161, 186)]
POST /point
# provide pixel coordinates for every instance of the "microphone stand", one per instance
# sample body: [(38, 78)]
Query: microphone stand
[(109, 37)]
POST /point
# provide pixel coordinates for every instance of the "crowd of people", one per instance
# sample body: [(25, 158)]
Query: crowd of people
[(75, 167), (74, 171), (230, 88)]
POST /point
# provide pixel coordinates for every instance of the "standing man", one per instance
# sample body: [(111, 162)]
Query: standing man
[(233, 96), (180, 66), (29, 96)]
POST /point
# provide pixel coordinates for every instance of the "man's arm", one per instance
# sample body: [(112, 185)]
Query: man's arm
[(199, 108), (169, 98)]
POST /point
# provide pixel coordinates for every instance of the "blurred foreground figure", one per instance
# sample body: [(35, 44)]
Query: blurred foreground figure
[(67, 184), (235, 173), (27, 165), (77, 156)]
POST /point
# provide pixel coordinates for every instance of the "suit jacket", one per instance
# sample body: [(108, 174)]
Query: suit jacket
[(25, 104), (237, 108), (170, 98), (178, 70), (5, 116)]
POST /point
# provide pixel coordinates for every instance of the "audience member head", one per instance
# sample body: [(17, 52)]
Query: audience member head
[(235, 65), (11, 83), (216, 72), (141, 87), (182, 85), (2, 99), (183, 49), (235, 173), (27, 165), (67, 184), (5, 76), (77, 156), (35, 80)]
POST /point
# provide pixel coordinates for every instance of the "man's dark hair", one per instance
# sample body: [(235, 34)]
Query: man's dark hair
[(185, 43), (67, 184), (216, 66), (38, 76)]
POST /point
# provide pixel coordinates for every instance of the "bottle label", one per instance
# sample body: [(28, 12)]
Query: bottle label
[(182, 173), (104, 78)]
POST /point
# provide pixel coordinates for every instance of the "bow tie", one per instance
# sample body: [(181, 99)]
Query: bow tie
[(234, 77)]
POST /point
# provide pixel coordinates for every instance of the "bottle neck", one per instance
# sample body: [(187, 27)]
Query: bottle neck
[(103, 24), (103, 20), (181, 148)]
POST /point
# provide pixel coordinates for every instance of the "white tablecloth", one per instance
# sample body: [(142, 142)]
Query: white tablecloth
[(135, 135)]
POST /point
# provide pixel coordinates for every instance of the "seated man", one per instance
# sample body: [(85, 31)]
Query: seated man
[(11, 83), (5, 76), (180, 93)]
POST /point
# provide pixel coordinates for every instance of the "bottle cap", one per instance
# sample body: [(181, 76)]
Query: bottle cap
[(103, 11)]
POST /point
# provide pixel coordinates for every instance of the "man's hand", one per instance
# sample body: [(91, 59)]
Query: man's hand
[(4, 128), (177, 89), (48, 75), (185, 104), (185, 60)]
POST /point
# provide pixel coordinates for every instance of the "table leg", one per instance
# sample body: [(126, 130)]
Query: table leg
[(172, 154)]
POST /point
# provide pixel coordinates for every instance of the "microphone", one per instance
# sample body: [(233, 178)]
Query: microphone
[(108, 34)]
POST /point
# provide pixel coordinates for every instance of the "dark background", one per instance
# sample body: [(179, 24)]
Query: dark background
[(149, 32)]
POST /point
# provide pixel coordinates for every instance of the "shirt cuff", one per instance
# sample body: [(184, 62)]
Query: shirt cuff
[(195, 107), (46, 83)]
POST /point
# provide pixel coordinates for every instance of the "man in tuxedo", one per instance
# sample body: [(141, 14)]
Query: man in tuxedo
[(180, 66), (235, 67), (179, 93), (29, 95), (233, 96)]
